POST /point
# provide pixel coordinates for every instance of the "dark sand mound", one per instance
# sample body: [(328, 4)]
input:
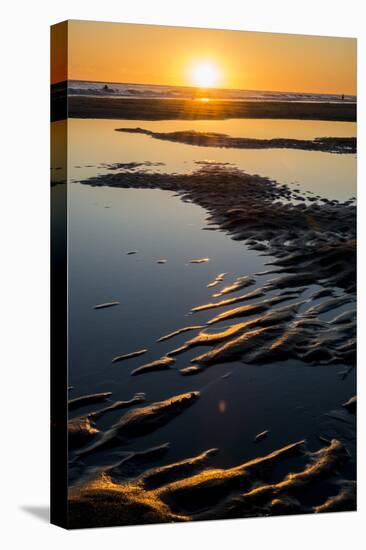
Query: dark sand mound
[(217, 280), (241, 282), (81, 431), (210, 139), (107, 304), (277, 334), (179, 331), (257, 293), (308, 244), (141, 421), (137, 462), (127, 356), (188, 490), (344, 501), (138, 489), (311, 242), (88, 399), (157, 365), (248, 310), (118, 405), (130, 165)]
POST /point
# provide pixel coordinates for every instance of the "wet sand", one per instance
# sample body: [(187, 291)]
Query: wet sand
[(133, 491), (169, 109), (313, 242), (307, 240), (308, 243), (340, 145)]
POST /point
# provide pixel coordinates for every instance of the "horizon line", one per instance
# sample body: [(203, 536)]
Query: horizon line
[(201, 88)]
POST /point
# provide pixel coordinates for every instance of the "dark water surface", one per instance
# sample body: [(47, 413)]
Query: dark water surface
[(288, 398)]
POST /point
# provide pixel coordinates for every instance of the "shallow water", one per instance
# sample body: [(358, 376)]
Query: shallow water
[(289, 398), (94, 142)]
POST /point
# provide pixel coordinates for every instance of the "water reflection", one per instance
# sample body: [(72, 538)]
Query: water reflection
[(94, 142), (155, 299), (58, 152)]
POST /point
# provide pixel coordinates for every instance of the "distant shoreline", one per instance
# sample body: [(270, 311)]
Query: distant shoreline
[(183, 109)]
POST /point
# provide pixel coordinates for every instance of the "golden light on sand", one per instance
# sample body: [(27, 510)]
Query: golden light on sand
[(204, 74)]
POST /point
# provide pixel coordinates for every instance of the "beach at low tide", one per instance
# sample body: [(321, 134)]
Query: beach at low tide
[(232, 278)]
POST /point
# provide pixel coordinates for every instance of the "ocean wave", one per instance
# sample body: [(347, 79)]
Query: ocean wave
[(107, 89)]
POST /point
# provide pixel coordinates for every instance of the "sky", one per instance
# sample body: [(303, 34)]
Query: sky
[(148, 54)]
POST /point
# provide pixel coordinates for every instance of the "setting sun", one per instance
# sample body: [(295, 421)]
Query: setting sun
[(204, 74)]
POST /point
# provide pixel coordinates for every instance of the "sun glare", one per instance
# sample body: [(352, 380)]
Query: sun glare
[(204, 74)]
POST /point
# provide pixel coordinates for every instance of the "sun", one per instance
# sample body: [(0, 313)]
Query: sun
[(204, 74)]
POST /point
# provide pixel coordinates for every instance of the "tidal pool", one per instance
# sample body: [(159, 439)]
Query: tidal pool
[(94, 143), (135, 247), (288, 398)]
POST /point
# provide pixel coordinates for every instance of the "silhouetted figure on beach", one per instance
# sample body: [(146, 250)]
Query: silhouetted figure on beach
[(342, 97)]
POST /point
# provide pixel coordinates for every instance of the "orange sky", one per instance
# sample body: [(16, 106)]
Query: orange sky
[(119, 52)]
